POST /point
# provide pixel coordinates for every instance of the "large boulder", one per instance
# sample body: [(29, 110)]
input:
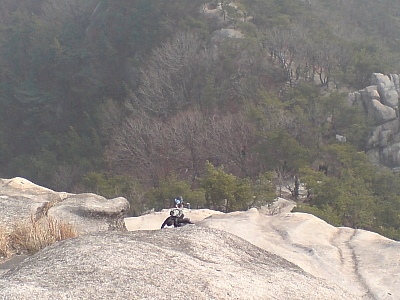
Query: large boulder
[(373, 104), (383, 134), (91, 213), (21, 199), (395, 79), (381, 113), (386, 89), (192, 262), (368, 94)]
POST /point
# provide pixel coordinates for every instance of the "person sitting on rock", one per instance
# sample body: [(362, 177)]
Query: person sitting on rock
[(176, 219)]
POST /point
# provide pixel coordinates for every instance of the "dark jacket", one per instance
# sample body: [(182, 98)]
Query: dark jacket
[(176, 221)]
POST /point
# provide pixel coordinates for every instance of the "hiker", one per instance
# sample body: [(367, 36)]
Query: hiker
[(176, 219), (179, 202)]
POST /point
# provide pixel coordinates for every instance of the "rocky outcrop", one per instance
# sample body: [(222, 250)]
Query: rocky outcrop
[(269, 253), (386, 89), (380, 102), (344, 256), (21, 199), (224, 33), (192, 262)]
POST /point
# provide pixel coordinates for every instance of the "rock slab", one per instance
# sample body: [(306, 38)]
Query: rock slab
[(192, 262), (21, 199)]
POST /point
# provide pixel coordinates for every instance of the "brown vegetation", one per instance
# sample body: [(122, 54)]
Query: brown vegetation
[(31, 235), (4, 243)]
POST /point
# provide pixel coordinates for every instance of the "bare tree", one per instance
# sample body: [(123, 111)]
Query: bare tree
[(283, 47), (232, 139), (150, 149), (136, 149), (188, 135), (171, 81)]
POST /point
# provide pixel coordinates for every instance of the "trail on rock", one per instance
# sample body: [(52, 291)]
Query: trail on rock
[(348, 263)]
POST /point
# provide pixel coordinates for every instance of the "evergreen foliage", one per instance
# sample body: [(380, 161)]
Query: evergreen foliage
[(223, 191)]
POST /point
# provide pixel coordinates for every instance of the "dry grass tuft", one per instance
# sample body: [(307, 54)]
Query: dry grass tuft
[(31, 235), (5, 250)]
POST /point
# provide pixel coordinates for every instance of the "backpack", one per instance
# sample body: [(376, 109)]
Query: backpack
[(175, 212)]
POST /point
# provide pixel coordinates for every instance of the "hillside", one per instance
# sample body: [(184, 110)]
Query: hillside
[(151, 99)]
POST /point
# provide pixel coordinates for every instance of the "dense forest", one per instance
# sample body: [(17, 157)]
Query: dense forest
[(149, 99)]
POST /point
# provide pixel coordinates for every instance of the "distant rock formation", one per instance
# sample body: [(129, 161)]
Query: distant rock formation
[(224, 33), (192, 262), (87, 213), (380, 101)]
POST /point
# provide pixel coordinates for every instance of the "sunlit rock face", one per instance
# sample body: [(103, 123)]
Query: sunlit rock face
[(380, 101), (21, 199), (343, 256), (192, 262)]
